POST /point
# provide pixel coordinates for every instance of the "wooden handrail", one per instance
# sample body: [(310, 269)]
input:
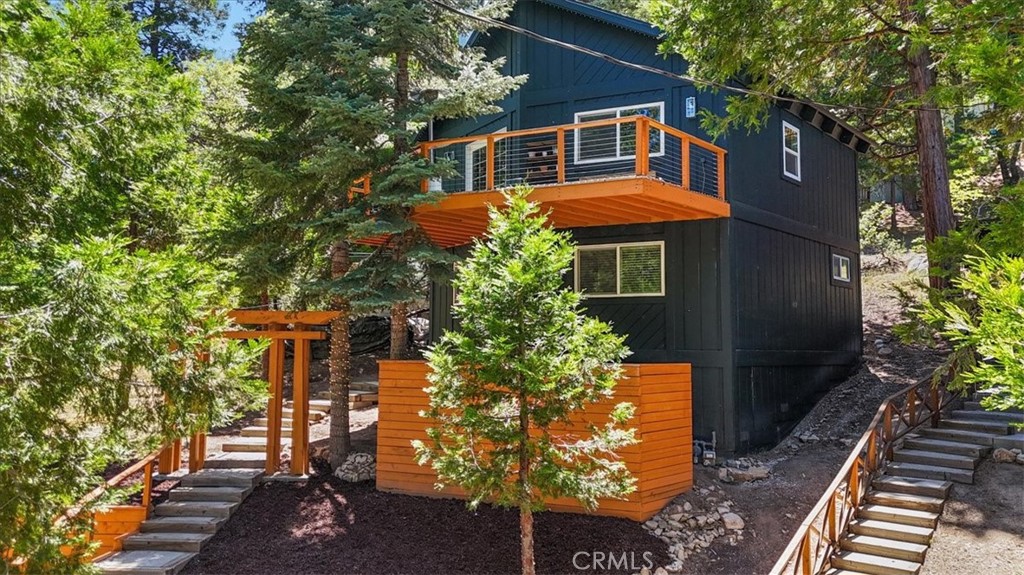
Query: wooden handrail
[(811, 547), (145, 463)]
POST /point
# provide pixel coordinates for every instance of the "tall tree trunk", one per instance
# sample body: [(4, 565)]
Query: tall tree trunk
[(154, 31), (1009, 163), (932, 161), (525, 489), (400, 309), (340, 359)]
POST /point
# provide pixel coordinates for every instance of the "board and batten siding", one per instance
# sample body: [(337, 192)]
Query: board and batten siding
[(662, 462)]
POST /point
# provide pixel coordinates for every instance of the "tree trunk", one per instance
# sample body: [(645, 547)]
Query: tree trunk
[(932, 161), (399, 330), (525, 490), (1009, 163), (154, 31), (340, 359)]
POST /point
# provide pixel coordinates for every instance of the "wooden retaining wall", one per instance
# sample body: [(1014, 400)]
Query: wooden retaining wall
[(113, 524), (662, 462)]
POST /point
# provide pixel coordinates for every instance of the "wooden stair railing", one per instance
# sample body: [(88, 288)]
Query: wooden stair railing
[(813, 545)]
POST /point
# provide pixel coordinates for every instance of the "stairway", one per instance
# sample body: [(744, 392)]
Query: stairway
[(893, 527)]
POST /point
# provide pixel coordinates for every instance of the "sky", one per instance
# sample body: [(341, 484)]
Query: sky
[(226, 43)]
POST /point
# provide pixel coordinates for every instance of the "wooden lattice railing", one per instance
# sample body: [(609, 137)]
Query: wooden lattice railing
[(812, 547)]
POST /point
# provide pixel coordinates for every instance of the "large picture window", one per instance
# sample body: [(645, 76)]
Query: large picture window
[(617, 141), (620, 270), (791, 151)]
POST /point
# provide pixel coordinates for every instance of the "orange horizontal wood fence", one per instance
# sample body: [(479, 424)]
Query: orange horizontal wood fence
[(662, 462)]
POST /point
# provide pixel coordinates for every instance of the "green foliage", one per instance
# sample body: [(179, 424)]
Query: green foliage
[(876, 234), (639, 9), (174, 30), (524, 359), (985, 328)]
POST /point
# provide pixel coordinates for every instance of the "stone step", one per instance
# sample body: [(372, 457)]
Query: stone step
[(321, 405), (913, 486), (261, 431), (971, 450), (903, 469), (976, 406), (196, 508), (264, 422), (237, 460), (959, 435), (882, 547), (149, 562), (223, 478), (842, 572), (182, 524), (314, 416), (888, 530), (875, 565), (993, 427), (1015, 441), (898, 515), (249, 444), (994, 416), (190, 542), (935, 458), (907, 501), (232, 494)]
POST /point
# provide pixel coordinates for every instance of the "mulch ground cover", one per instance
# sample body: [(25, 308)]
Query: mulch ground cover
[(327, 526)]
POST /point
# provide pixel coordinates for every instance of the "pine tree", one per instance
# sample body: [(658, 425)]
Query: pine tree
[(338, 93), (523, 361), (174, 29)]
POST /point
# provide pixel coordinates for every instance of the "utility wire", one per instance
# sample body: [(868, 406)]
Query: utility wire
[(644, 68)]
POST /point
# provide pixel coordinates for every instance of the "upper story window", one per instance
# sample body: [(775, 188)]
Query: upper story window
[(621, 270), (791, 151), (617, 141)]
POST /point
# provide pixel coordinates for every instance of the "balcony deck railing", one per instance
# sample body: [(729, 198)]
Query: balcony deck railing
[(632, 147)]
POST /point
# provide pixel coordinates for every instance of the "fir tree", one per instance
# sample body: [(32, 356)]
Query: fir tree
[(337, 94), (174, 29), (523, 361)]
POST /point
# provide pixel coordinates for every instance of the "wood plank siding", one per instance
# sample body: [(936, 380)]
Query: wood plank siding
[(662, 462)]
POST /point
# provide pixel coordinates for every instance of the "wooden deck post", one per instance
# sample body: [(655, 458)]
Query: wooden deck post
[(147, 486), (684, 165), (643, 144), (490, 164), (300, 405), (721, 174), (560, 153), (274, 404)]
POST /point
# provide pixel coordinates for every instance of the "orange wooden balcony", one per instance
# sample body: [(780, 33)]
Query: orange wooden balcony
[(617, 171)]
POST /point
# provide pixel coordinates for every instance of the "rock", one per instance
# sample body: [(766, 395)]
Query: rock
[(723, 509), (752, 474), (1004, 455), (808, 437), (660, 571), (733, 521), (723, 475), (1020, 459), (1016, 451), (885, 350), (645, 571), (357, 467), (687, 507)]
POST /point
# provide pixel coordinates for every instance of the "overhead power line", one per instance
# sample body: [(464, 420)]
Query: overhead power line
[(651, 69)]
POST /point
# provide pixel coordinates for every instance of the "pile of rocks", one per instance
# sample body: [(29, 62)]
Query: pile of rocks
[(688, 528), (1003, 455), (743, 470), (357, 467)]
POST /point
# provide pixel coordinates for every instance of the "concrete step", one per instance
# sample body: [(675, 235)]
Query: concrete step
[(196, 508), (888, 530), (223, 478), (842, 572), (994, 416), (907, 501), (321, 405), (903, 469), (935, 458), (875, 565), (189, 542), (249, 444), (892, 548), (959, 435), (898, 515), (971, 450), (976, 406), (261, 431), (264, 422), (913, 486), (993, 427), (182, 524), (232, 494), (149, 562), (1015, 441), (237, 460), (314, 416)]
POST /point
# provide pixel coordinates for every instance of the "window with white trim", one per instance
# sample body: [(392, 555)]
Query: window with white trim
[(791, 151), (841, 268), (621, 270), (616, 142), (476, 163)]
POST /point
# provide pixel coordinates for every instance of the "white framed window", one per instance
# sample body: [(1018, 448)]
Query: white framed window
[(621, 270), (476, 163), (616, 142), (841, 268), (791, 151)]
